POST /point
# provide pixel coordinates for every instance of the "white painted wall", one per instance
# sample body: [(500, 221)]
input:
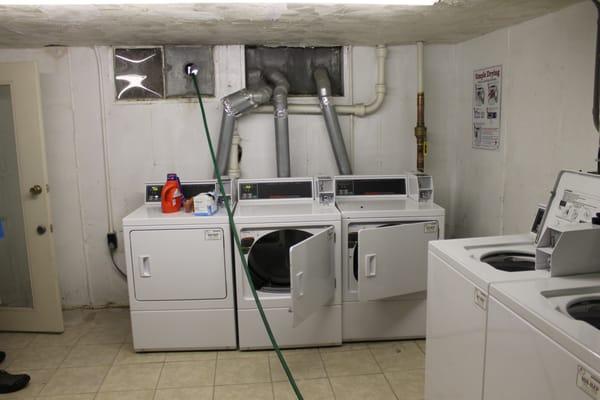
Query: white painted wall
[(546, 121), (147, 140)]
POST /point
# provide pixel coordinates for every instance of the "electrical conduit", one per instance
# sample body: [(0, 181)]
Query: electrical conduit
[(332, 121), (192, 71)]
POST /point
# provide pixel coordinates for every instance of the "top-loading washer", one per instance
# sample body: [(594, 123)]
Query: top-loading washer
[(180, 275), (385, 234), (543, 339), (292, 245), (458, 286)]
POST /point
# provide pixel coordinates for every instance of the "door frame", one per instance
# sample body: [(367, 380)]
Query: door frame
[(46, 313)]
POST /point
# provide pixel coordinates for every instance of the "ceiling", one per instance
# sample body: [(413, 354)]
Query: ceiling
[(449, 21)]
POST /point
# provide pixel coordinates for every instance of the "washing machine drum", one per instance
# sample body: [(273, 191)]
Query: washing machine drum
[(510, 261), (586, 311), (269, 259)]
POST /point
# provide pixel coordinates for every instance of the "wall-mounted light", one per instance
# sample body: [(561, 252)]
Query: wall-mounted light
[(323, 2)]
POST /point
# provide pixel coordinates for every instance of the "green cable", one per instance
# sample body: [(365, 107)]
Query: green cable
[(239, 246)]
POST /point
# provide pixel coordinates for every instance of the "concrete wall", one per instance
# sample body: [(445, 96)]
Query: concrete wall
[(546, 121), (147, 140)]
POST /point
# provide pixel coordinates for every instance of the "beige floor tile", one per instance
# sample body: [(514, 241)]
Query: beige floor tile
[(303, 364), (83, 355), (37, 375), (231, 354), (31, 391), (408, 385), (362, 387), (312, 389), (11, 355), (132, 377), (356, 362), (68, 338), (128, 356), (398, 356), (344, 347), (422, 345), (106, 335), (12, 340), (187, 374), (128, 395), (199, 393), (75, 381), (242, 370), (40, 357), (87, 396), (257, 391), (191, 356)]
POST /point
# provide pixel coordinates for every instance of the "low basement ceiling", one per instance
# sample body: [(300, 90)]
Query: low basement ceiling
[(449, 21)]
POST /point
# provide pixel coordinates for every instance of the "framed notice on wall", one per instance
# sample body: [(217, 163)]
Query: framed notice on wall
[(487, 95)]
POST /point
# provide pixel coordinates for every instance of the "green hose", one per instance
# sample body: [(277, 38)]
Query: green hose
[(238, 244)]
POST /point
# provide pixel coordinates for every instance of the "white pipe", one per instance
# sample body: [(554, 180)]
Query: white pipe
[(360, 110), (420, 87), (234, 165)]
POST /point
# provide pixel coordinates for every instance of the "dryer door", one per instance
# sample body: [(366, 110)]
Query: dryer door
[(393, 259), (312, 270)]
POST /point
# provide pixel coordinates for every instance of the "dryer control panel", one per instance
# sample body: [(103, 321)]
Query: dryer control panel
[(371, 185), (275, 189)]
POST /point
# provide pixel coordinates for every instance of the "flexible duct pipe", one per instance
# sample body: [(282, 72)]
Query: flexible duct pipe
[(331, 121), (359, 110), (235, 105), (282, 135), (420, 129), (225, 138)]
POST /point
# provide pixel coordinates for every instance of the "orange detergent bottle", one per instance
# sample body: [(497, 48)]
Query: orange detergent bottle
[(171, 195)]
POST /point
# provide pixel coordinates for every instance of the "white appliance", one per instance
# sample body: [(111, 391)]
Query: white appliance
[(180, 275), (292, 245), (459, 276), (543, 339), (384, 256)]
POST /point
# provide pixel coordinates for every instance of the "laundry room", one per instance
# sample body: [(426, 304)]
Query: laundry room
[(335, 199)]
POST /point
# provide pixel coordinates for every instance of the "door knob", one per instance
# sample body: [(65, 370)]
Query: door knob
[(35, 190), (41, 229)]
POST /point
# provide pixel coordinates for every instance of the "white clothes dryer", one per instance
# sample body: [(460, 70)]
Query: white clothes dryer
[(180, 275), (384, 256), (459, 276), (292, 246), (543, 339)]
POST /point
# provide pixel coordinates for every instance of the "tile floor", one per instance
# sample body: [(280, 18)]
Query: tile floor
[(94, 359)]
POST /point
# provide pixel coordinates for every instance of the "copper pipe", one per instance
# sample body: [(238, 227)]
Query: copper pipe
[(421, 132)]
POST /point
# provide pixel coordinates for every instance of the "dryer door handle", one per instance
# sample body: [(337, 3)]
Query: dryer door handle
[(300, 284), (144, 264), (370, 265)]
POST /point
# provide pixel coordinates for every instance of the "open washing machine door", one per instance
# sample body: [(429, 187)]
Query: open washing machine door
[(392, 260), (312, 271)]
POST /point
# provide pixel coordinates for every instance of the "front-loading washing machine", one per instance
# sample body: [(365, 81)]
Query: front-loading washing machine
[(292, 246), (543, 339), (180, 275), (459, 276), (385, 234)]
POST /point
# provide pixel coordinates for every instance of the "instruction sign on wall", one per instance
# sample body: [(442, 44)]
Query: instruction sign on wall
[(487, 88)]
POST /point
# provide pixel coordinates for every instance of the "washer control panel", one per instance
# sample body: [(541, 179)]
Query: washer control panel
[(276, 189), (371, 186)]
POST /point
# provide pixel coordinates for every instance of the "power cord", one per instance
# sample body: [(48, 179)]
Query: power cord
[(111, 240)]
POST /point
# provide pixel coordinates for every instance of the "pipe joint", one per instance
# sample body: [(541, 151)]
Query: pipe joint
[(380, 88)]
